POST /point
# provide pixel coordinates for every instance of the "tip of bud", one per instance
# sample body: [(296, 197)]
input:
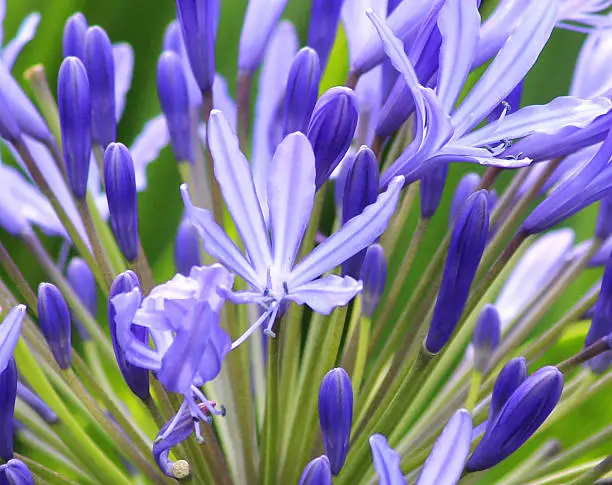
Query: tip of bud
[(181, 469)]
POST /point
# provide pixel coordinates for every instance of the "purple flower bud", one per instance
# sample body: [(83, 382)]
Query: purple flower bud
[(324, 17), (524, 412), (511, 104), (486, 336), (75, 31), (37, 404), (183, 427), (373, 275), (8, 394), (15, 472), (9, 127), (302, 91), (174, 100), (199, 20), (75, 119), (186, 248), (386, 461), (466, 247), (602, 256), (173, 40), (601, 325), (317, 472), (54, 318), (432, 186), (101, 74), (83, 283), (136, 378), (445, 463), (336, 416), (509, 379), (603, 229), (360, 190), (331, 129), (120, 184), (466, 187)]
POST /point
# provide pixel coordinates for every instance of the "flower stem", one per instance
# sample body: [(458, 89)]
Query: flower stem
[(268, 473), (243, 101)]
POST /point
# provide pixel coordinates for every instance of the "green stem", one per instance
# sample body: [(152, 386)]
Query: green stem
[(398, 222), (20, 282), (365, 324), (474, 391), (45, 473), (143, 270), (268, 474), (37, 78), (589, 477)]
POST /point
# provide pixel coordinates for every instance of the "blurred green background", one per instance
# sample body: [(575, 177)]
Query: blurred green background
[(142, 22)]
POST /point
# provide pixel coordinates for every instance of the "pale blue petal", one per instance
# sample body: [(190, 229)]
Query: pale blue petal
[(327, 293), (9, 334), (25, 34), (481, 156), (358, 233), (123, 57), (219, 344), (357, 27), (223, 101), (233, 172), (146, 147), (593, 71), (386, 461)]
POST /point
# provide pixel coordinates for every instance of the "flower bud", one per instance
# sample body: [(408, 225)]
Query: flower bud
[(75, 32), (83, 283), (302, 91), (603, 229), (54, 318), (101, 75), (8, 394), (120, 183), (136, 378), (373, 275), (522, 414), (199, 20), (324, 17), (16, 473), (331, 130), (601, 325), (317, 472), (186, 248), (36, 403), (9, 334), (74, 105), (509, 379), (466, 247), (386, 461), (466, 187), (174, 100), (446, 461), (432, 186), (486, 337), (336, 416)]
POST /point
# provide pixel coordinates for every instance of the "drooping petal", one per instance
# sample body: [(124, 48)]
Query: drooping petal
[(386, 461), (9, 334), (325, 294), (123, 56), (219, 344), (25, 34)]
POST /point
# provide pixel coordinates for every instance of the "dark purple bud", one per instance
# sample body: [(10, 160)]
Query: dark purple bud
[(8, 394), (317, 472), (174, 100), (54, 318), (136, 378), (603, 229), (509, 379), (601, 325), (36, 403), (373, 275), (432, 186), (199, 20), (302, 91), (466, 247), (466, 187), (186, 248), (524, 412), (75, 119), (83, 283), (15, 472), (486, 336), (331, 129), (75, 31), (120, 183), (360, 190), (324, 17), (101, 74), (511, 104), (9, 127), (183, 427), (336, 416)]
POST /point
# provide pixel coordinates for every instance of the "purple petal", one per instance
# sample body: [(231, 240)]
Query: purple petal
[(327, 293), (9, 334), (219, 344), (386, 461), (223, 101), (357, 27), (146, 147), (25, 34), (593, 73), (123, 56)]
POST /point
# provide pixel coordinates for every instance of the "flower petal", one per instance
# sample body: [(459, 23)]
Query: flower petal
[(386, 461), (25, 34), (9, 334), (146, 147), (327, 293), (123, 57)]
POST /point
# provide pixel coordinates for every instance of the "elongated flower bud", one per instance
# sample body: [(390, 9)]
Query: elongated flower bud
[(603, 229), (101, 74), (136, 378), (360, 190), (317, 472), (120, 184), (199, 20), (466, 247), (524, 412), (336, 416), (445, 463), (15, 472), (75, 31), (466, 187), (174, 100), (486, 336), (509, 379), (186, 248), (302, 91), (54, 318), (373, 275), (331, 130), (324, 17), (386, 461), (8, 394), (74, 105), (601, 325), (432, 186), (36, 403), (83, 283)]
